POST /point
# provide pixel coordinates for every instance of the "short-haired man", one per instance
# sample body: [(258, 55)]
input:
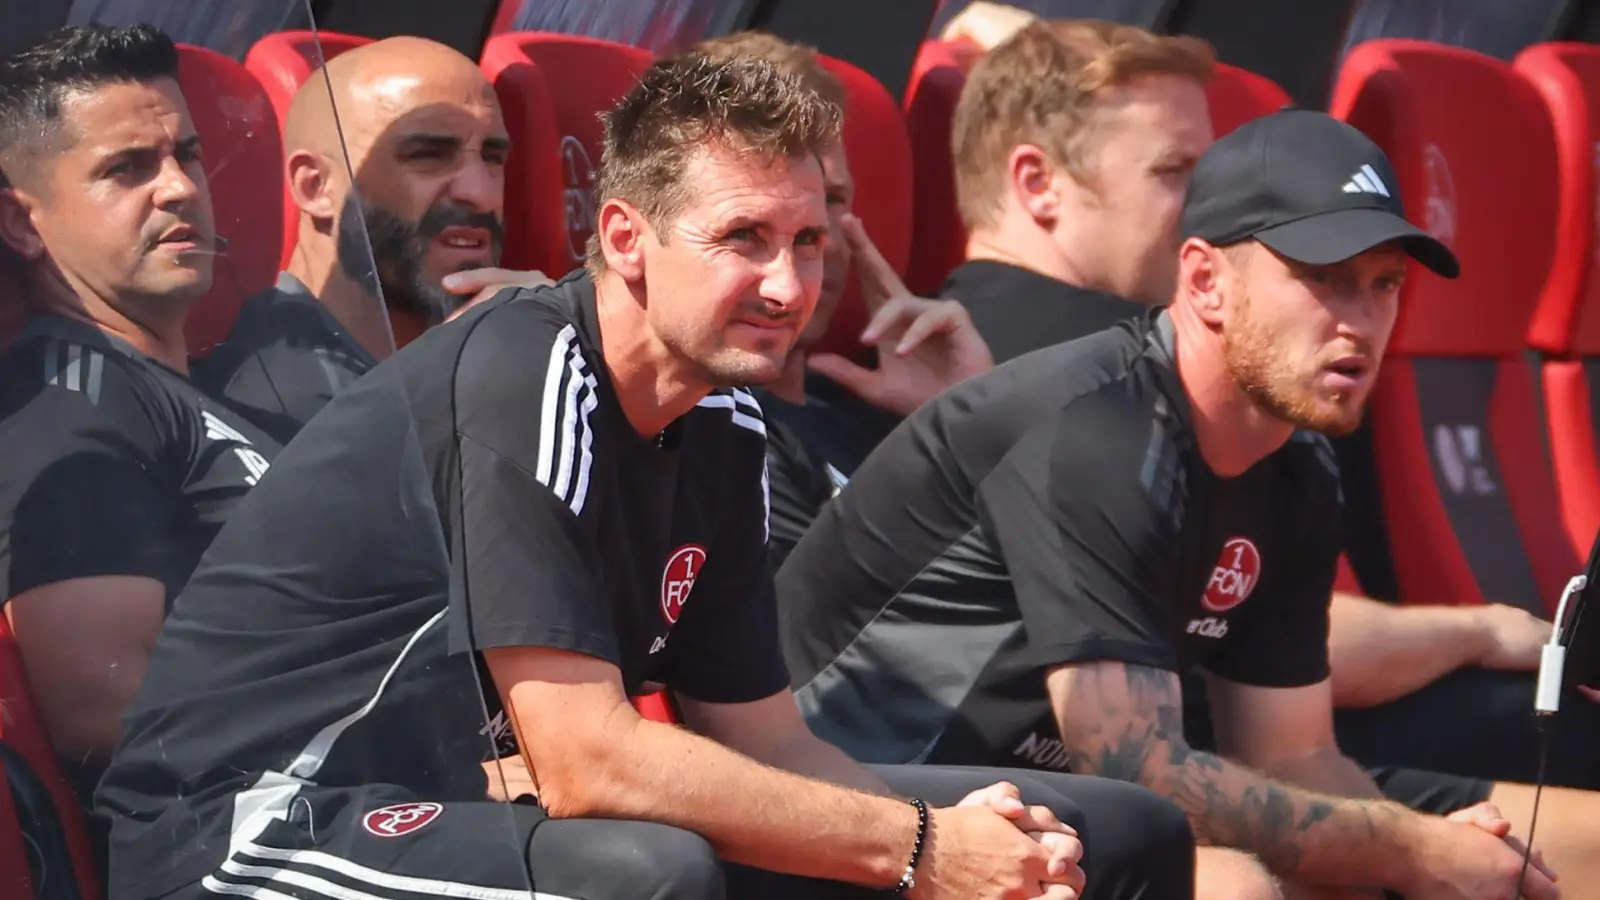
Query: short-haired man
[(562, 488), (378, 262), (1022, 571), (116, 472), (1073, 144), (825, 413), (1414, 685)]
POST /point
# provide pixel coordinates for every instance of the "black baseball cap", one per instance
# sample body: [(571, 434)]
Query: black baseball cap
[(1311, 187)]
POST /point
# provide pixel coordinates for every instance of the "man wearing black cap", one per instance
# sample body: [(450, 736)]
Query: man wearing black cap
[(1021, 571)]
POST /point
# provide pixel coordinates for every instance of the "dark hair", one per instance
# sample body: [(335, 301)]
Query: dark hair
[(745, 103), (37, 81)]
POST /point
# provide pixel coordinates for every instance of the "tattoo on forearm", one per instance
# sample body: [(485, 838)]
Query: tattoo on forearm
[(1138, 737)]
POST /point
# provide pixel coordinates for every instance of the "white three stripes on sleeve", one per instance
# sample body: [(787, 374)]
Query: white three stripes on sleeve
[(566, 440), (746, 412)]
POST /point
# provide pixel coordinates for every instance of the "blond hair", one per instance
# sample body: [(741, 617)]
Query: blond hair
[(1042, 87)]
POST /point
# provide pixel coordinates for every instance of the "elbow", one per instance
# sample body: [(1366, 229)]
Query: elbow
[(588, 778)]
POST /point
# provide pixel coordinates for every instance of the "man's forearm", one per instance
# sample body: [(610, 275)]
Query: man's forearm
[(1380, 652), (1327, 772), (751, 813), (808, 755), (1318, 838)]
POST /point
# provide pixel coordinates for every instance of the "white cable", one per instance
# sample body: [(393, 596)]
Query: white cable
[(1553, 656)]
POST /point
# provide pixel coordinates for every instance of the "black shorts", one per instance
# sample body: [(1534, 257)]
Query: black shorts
[(383, 843), (379, 842)]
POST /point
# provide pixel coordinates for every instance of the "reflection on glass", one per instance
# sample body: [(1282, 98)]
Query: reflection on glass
[(663, 26), (187, 278), (1499, 29), (226, 26)]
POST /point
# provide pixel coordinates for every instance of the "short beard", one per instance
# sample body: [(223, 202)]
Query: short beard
[(385, 254), (1250, 355)]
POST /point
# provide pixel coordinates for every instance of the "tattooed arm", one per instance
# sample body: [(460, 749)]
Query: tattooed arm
[(1126, 722)]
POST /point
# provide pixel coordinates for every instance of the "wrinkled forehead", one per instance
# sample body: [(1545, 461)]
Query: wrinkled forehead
[(785, 193)]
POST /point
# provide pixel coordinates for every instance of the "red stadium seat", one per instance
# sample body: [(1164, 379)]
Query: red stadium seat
[(16, 882), (938, 242), (1235, 96), (1566, 327), (1467, 497), (656, 707), (879, 152), (550, 216), (242, 153), (1345, 579), (282, 62), (38, 801)]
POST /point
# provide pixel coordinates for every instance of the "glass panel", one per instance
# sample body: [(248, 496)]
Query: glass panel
[(662, 26), (199, 279), (1498, 29)]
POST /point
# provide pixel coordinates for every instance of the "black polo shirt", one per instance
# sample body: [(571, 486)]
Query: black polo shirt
[(285, 358), (1018, 310), (812, 450), (1054, 510), (113, 464), (482, 488)]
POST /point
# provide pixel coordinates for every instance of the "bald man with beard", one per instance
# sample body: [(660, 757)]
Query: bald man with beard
[(375, 264)]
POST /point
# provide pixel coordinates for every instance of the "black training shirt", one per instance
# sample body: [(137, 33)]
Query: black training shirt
[(285, 358), (812, 449), (1055, 510), (1018, 310), (480, 489), (113, 464)]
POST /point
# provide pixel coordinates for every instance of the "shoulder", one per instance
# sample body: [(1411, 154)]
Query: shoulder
[(739, 409), (63, 374), (529, 330), (1095, 393)]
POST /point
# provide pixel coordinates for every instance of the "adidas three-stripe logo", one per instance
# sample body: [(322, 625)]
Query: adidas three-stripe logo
[(566, 439), (1366, 181), (746, 412)]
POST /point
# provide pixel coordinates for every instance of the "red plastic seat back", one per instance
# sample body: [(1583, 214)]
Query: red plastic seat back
[(282, 62), (21, 730), (556, 138), (879, 151), (1469, 501), (1237, 96), (15, 881), (242, 153), (938, 242), (1566, 325)]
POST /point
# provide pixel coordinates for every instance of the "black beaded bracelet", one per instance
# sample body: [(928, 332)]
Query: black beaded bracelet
[(909, 879)]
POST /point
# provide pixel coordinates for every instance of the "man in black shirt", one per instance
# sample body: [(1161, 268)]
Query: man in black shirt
[(418, 235), (116, 472), (560, 490), (1412, 684), (1021, 572), (1073, 142)]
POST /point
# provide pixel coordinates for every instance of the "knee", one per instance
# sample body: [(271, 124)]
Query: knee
[(677, 864), (1161, 828), (1223, 874), (1136, 842)]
